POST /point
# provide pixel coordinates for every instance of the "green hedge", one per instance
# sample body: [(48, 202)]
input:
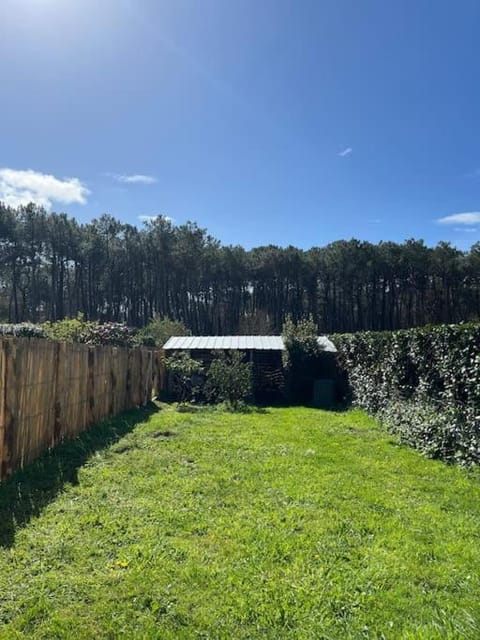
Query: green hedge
[(423, 384)]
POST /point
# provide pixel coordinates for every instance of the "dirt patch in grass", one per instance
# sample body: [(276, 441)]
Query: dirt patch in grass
[(164, 434)]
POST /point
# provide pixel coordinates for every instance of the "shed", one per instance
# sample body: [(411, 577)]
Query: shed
[(264, 352)]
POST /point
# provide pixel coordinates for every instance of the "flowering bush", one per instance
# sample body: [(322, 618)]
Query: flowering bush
[(114, 334), (75, 330), (22, 330)]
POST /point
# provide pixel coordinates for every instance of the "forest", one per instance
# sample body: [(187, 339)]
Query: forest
[(53, 267)]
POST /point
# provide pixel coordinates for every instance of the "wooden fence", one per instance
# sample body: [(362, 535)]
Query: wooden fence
[(51, 391)]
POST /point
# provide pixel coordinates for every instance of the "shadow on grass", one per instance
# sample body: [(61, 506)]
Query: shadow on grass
[(251, 408), (341, 407), (25, 494), (219, 408)]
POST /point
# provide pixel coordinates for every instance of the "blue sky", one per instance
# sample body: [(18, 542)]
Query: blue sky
[(266, 122)]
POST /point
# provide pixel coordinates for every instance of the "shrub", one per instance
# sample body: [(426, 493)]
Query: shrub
[(443, 432), (22, 330), (69, 330), (76, 330), (229, 379), (183, 369), (158, 331), (113, 334), (424, 384), (301, 358)]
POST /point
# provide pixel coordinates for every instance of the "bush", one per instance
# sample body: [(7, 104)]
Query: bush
[(114, 334), (76, 330), (69, 330), (424, 384), (229, 379), (158, 331), (22, 330), (440, 432), (183, 369), (301, 358)]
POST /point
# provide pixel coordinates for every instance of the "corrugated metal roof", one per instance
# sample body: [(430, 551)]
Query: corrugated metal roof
[(326, 344), (261, 343)]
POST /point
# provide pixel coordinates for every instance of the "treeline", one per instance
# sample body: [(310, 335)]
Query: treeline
[(52, 267)]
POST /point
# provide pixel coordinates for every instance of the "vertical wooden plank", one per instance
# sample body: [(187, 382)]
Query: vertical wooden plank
[(108, 381), (138, 382), (57, 393), (91, 384), (30, 372), (3, 391), (101, 384), (135, 380), (84, 403), (102, 377), (10, 406), (128, 381), (148, 378), (157, 385), (20, 442), (141, 377), (66, 354)]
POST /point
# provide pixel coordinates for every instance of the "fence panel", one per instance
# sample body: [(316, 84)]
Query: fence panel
[(51, 391)]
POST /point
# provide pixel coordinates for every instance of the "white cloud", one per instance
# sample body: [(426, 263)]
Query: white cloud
[(151, 218), (22, 187), (137, 178), (469, 219), (466, 229), (345, 152)]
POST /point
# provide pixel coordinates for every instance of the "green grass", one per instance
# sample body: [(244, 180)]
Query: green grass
[(287, 523)]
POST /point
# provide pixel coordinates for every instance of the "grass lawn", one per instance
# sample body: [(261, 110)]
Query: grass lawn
[(287, 523)]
